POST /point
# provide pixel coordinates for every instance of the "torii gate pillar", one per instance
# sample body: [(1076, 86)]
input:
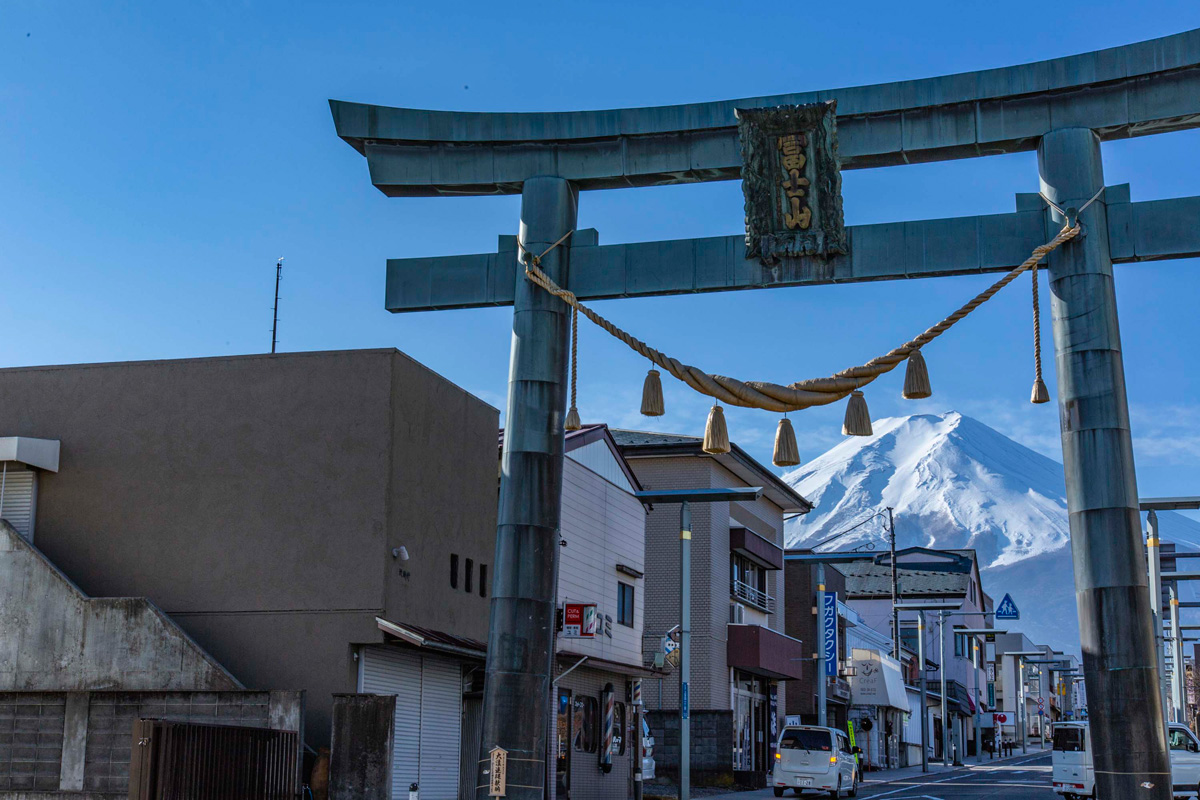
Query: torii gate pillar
[(520, 655), (1102, 501)]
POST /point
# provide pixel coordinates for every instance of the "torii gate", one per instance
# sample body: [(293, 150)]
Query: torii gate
[(1063, 108)]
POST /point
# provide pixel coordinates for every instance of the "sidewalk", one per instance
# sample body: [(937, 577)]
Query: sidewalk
[(869, 780)]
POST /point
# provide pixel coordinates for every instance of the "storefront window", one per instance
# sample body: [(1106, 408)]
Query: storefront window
[(584, 723), (619, 728)]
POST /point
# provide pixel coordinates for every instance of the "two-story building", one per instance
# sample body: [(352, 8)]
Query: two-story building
[(322, 522), (602, 603), (942, 576), (801, 623), (742, 657)]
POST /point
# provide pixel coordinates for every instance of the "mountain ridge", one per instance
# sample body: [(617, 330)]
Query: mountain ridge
[(956, 483)]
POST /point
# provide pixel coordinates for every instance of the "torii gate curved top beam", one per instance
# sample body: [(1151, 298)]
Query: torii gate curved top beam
[(1132, 90)]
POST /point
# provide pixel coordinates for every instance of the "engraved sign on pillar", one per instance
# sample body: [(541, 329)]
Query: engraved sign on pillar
[(792, 181), (498, 772)]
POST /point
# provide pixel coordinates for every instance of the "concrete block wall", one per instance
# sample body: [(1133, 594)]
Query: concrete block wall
[(31, 741), (67, 743)]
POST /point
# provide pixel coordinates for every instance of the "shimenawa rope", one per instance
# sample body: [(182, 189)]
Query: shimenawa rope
[(801, 394)]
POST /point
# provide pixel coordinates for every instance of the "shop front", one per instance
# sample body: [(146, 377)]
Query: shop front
[(877, 704), (759, 659)]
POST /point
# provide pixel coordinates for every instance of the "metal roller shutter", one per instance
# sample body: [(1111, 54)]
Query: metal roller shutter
[(441, 727), (390, 670), (428, 693), (19, 486)]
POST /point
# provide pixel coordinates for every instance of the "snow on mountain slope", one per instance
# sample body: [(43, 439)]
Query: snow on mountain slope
[(957, 483)]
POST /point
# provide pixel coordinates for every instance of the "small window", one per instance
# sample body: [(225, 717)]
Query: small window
[(1070, 740), (619, 731), (470, 574), (625, 604), (1178, 739), (805, 739), (584, 723), (483, 580), (453, 570)]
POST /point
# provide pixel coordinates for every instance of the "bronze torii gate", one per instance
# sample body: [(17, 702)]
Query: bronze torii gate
[(1064, 108)]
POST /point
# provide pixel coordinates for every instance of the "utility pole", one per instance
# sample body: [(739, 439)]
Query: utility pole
[(946, 726), (1177, 701), (822, 718), (924, 692), (685, 497), (1155, 571), (275, 314), (895, 587), (1128, 732)]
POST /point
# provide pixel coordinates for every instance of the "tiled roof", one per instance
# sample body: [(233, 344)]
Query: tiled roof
[(868, 579), (635, 438)]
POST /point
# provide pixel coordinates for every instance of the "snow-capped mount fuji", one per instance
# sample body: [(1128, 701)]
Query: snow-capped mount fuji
[(954, 482)]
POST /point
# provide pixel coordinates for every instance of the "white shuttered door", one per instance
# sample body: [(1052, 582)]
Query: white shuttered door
[(18, 487), (428, 693)]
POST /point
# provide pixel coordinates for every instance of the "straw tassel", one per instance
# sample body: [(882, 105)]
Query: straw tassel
[(716, 435), (652, 395), (1040, 393), (858, 419), (916, 378), (786, 453), (572, 422)]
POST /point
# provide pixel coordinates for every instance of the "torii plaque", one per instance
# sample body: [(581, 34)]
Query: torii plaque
[(1063, 108)]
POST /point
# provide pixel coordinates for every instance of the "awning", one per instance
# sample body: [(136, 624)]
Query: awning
[(764, 652), (877, 680), (418, 636)]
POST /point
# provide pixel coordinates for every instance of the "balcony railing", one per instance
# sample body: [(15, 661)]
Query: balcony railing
[(755, 597)]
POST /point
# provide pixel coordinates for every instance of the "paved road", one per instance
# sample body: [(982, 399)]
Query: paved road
[(1018, 779)]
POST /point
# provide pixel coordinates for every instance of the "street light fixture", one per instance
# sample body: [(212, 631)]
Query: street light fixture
[(921, 606), (685, 497), (1021, 655)]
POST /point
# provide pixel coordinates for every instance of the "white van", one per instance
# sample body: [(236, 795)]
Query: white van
[(1072, 760), (809, 758)]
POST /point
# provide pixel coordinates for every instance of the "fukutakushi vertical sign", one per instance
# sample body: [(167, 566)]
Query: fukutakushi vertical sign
[(792, 181)]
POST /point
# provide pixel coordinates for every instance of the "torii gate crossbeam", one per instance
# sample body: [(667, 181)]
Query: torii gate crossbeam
[(1063, 108)]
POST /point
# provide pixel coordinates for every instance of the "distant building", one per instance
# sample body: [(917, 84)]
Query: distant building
[(311, 521), (932, 575), (742, 659)]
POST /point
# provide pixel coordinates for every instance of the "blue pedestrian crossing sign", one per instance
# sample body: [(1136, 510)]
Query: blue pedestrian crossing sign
[(1007, 609)]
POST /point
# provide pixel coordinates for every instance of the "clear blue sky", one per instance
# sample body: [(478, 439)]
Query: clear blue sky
[(156, 158)]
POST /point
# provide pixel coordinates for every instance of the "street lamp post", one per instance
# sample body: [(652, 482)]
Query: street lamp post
[(1020, 655), (921, 608), (974, 632), (685, 497)]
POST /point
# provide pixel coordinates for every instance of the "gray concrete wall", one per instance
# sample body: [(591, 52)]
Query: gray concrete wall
[(57, 639), (78, 745), (257, 499), (360, 761)]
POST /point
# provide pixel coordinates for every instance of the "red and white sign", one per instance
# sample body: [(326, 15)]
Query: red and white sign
[(579, 621), (1001, 718)]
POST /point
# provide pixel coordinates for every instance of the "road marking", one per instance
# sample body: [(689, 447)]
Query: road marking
[(968, 773)]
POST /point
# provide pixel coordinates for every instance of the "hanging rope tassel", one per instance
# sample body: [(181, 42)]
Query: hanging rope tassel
[(572, 423), (652, 395), (858, 419), (716, 435), (916, 378), (1040, 393), (786, 453)]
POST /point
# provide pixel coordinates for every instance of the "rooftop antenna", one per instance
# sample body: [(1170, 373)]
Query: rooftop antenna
[(275, 317)]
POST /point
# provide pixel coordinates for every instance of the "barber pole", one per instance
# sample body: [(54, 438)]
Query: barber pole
[(637, 692), (606, 749)]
